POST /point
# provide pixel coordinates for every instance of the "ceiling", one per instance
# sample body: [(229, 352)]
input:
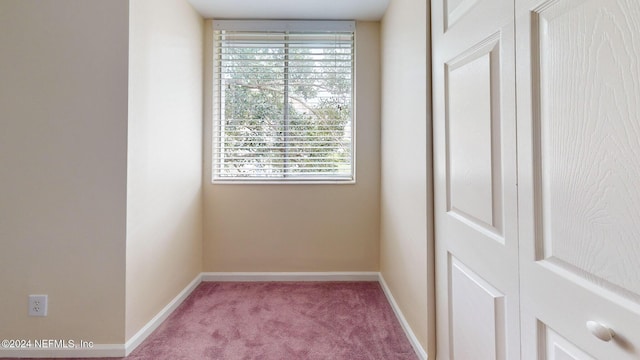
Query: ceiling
[(291, 9)]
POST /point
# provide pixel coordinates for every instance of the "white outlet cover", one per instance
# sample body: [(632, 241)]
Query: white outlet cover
[(38, 305)]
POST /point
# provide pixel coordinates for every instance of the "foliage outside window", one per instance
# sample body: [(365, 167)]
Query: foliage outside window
[(283, 106)]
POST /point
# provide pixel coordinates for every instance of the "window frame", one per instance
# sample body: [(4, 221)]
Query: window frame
[(280, 26)]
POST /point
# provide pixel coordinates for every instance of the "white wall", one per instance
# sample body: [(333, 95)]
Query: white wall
[(279, 227), (164, 198), (63, 155), (406, 241)]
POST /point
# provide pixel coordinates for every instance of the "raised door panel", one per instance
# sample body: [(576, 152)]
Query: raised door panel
[(476, 315), (474, 186), (590, 140), (579, 173), (456, 9), (558, 348), (475, 179)]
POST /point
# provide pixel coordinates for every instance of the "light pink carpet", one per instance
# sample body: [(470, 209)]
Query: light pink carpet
[(294, 320)]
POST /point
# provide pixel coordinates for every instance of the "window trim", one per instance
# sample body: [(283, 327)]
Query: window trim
[(282, 26)]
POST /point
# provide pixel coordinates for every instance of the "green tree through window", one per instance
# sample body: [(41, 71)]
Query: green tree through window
[(284, 107)]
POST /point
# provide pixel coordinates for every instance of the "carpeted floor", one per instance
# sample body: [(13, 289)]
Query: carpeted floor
[(294, 320)]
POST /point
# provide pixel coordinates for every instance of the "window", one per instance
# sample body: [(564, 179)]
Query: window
[(283, 101)]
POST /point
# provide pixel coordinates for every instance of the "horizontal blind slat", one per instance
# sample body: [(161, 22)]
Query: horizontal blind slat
[(258, 134)]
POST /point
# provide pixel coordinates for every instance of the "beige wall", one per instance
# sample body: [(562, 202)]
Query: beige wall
[(164, 198), (279, 227), (72, 220), (406, 260), (63, 144)]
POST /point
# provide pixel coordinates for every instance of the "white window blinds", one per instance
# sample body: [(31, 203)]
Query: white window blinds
[(283, 101)]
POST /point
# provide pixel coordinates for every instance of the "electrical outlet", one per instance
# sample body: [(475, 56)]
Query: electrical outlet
[(37, 305)]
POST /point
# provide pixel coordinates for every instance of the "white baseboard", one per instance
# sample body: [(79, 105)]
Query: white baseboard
[(121, 350), (403, 322), (153, 324), (107, 350), (325, 276), (291, 276)]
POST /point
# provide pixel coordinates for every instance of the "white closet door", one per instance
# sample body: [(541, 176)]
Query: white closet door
[(475, 180), (578, 76)]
